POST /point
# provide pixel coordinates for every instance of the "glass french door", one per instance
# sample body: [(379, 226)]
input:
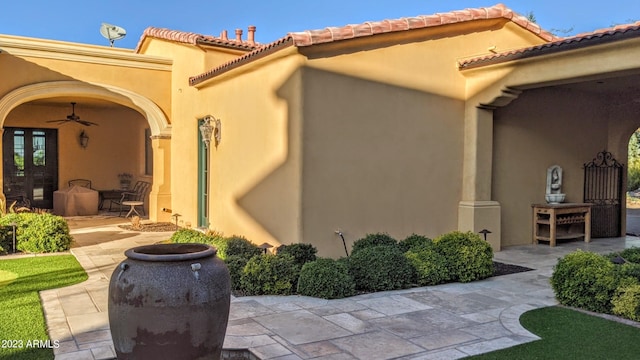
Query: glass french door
[(30, 166)]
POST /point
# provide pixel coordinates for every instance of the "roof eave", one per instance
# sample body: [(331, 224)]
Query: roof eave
[(572, 43), (254, 55)]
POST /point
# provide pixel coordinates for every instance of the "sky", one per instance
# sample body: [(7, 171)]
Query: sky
[(80, 20)]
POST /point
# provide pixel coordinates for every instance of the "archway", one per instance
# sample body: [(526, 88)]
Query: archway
[(159, 130)]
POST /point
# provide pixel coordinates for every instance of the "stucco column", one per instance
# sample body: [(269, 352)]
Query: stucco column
[(477, 211), (160, 196)]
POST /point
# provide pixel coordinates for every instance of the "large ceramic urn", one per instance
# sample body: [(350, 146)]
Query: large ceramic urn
[(169, 301)]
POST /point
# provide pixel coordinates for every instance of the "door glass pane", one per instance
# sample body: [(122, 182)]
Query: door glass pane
[(38, 148), (18, 153), (39, 161)]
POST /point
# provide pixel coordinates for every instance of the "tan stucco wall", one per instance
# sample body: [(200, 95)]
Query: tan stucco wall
[(187, 60), (76, 62), (380, 126), (255, 181), (543, 127), (377, 158)]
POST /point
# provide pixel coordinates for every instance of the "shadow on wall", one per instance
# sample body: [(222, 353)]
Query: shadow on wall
[(373, 157)]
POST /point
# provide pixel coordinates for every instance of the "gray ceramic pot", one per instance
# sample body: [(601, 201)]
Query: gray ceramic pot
[(169, 301)]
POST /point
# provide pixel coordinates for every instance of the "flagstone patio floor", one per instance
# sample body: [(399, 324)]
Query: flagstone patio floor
[(448, 321)]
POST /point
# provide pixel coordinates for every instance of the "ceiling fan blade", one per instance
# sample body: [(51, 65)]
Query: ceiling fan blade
[(86, 123), (57, 121)]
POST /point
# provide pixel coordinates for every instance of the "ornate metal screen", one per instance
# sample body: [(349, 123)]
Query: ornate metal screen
[(603, 189)]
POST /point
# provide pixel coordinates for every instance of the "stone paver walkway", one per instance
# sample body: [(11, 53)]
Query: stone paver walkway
[(448, 321)]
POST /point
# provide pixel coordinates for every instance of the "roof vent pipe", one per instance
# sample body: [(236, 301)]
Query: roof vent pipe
[(251, 35), (224, 35), (239, 35)]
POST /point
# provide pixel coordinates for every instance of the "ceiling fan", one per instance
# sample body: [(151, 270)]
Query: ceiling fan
[(73, 117)]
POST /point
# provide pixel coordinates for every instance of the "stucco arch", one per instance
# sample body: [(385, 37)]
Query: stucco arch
[(160, 196), (157, 120)]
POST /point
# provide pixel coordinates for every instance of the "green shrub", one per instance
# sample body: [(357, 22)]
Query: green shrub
[(414, 241), (269, 275), (633, 175), (626, 302), (6, 239), (183, 236), (468, 257), (39, 233), (236, 264), (371, 240), (430, 266), (379, 268), (240, 246), (629, 270), (631, 254), (302, 253), (585, 280), (327, 279)]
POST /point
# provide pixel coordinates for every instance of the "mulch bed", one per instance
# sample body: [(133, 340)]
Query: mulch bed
[(152, 227), (506, 269)]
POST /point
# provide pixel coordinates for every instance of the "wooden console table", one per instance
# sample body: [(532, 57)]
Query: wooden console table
[(552, 222)]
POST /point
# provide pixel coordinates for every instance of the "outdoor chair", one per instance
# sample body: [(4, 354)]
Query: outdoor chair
[(132, 199), (80, 182)]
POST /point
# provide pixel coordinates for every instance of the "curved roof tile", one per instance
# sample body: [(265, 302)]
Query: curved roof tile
[(193, 39)]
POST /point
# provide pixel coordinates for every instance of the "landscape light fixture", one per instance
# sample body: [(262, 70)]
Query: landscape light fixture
[(484, 232)]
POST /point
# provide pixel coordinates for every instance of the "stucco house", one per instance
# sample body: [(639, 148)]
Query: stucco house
[(423, 124)]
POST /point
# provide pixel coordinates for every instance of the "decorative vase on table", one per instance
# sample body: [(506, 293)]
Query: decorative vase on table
[(124, 185), (169, 301)]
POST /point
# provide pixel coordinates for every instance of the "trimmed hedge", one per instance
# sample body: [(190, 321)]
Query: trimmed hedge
[(183, 236), (585, 280), (302, 253), (239, 246), (327, 279), (430, 266), (381, 267), (631, 254), (414, 241), (371, 240), (270, 275), (233, 245), (37, 233), (626, 302), (236, 264), (468, 257)]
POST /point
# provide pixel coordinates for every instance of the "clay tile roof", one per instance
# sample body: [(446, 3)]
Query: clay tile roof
[(600, 36), (193, 39), (332, 34)]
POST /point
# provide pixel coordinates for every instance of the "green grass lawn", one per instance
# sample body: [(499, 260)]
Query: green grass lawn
[(21, 317), (567, 334)]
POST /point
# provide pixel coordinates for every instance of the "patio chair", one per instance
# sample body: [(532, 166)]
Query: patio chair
[(80, 182), (132, 199)]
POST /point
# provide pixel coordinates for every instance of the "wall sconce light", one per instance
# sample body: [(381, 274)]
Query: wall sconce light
[(84, 139), (211, 128)]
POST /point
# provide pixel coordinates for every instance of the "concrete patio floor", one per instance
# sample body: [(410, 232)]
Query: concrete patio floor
[(448, 321)]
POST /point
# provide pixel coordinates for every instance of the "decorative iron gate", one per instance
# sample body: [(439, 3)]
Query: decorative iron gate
[(603, 189)]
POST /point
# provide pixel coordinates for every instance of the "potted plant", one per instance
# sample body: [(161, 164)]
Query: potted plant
[(125, 180)]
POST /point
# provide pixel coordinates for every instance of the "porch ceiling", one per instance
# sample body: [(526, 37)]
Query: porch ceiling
[(629, 84), (63, 101)]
